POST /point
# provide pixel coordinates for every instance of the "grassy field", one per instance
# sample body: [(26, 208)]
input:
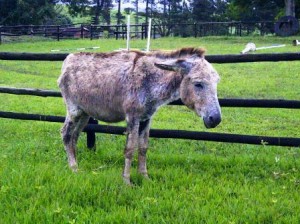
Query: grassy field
[(191, 181)]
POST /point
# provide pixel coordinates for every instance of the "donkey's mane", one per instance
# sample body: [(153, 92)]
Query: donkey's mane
[(179, 53), (172, 54), (159, 54)]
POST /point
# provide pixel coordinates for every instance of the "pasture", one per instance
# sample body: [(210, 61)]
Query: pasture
[(191, 181)]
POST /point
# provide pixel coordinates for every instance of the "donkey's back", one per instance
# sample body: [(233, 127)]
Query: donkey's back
[(96, 83)]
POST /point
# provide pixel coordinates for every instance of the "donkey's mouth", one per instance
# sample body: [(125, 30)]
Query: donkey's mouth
[(212, 121)]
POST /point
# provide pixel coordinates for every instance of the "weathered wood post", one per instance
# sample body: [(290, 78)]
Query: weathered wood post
[(31, 30), (124, 31), (128, 33), (143, 31), (81, 31), (57, 30), (91, 32), (154, 29), (91, 136), (149, 35), (0, 35), (117, 32), (289, 7)]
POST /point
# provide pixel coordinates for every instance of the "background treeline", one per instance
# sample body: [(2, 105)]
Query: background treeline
[(47, 12)]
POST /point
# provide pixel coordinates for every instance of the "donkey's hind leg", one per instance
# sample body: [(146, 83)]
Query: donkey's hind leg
[(131, 144), (74, 124)]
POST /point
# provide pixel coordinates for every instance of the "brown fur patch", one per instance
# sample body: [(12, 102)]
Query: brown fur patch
[(139, 54), (160, 54), (100, 55), (173, 54), (169, 54), (180, 53)]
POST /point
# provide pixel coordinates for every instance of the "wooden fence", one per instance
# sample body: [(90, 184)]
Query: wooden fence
[(92, 31), (93, 127)]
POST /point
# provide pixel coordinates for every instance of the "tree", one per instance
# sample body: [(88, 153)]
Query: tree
[(26, 12), (119, 14), (94, 8), (202, 10), (147, 10), (166, 13), (136, 9), (289, 7), (61, 18), (254, 10)]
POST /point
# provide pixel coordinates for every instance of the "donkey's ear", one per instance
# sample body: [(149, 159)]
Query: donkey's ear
[(174, 65), (169, 65)]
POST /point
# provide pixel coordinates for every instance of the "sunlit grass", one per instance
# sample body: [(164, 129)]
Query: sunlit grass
[(191, 181)]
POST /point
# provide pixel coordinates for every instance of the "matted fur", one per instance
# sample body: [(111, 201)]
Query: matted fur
[(183, 52)]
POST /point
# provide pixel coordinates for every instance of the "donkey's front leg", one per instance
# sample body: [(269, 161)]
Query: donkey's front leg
[(131, 145), (143, 146)]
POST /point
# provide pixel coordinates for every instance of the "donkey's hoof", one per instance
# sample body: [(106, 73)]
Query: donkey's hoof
[(74, 168), (146, 176), (127, 181), (147, 179)]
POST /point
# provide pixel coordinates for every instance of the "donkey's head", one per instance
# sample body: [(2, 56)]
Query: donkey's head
[(198, 89)]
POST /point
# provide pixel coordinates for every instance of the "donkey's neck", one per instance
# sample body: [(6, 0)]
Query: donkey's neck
[(169, 89)]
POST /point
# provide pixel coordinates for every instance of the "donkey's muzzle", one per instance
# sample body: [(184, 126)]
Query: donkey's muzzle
[(212, 120)]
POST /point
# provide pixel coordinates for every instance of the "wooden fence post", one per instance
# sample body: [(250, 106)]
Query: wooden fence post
[(124, 31), (91, 136), (144, 35), (117, 32), (57, 33), (81, 31), (91, 32), (153, 31), (0, 35)]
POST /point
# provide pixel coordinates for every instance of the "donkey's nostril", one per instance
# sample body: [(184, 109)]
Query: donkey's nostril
[(216, 119), (212, 120)]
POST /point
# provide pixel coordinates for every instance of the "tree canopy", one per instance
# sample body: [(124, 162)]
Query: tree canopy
[(164, 11), (14, 12)]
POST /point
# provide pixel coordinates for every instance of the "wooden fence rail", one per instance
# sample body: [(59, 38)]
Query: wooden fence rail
[(177, 134), (68, 31), (260, 103), (222, 137), (219, 59)]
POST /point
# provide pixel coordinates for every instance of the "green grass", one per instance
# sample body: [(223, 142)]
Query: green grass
[(191, 181)]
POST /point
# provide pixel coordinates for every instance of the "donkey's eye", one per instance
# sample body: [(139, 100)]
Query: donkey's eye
[(199, 85)]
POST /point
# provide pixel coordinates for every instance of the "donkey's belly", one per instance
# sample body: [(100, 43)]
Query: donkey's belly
[(108, 109), (106, 115), (111, 117)]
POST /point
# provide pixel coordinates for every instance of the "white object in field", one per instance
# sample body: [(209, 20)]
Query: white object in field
[(249, 47), (272, 46), (77, 49), (296, 42), (128, 32), (149, 36), (252, 47)]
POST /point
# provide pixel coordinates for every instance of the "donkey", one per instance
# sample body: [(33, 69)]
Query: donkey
[(131, 86)]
